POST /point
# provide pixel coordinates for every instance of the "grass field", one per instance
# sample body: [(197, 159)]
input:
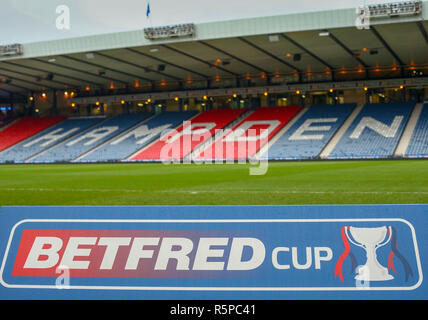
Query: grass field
[(337, 182)]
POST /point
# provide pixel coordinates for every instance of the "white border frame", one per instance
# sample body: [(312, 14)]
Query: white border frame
[(176, 288)]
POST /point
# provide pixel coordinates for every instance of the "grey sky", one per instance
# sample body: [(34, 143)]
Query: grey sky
[(27, 21)]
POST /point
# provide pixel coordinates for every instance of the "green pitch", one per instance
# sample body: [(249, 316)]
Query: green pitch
[(347, 182)]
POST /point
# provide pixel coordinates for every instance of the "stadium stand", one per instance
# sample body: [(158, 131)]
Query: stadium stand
[(5, 120), (25, 128), (375, 132), (46, 139), (247, 137), (418, 146), (179, 143), (130, 142), (89, 139), (309, 135)]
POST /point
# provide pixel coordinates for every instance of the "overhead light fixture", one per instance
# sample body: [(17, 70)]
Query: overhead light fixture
[(11, 50), (180, 30), (90, 55), (392, 9), (52, 60), (324, 34), (153, 50)]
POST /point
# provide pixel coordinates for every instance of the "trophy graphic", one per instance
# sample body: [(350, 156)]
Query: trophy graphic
[(370, 239)]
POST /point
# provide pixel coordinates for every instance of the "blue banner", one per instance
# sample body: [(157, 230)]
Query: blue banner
[(218, 253)]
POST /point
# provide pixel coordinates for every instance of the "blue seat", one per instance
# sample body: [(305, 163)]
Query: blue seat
[(89, 139), (130, 142), (46, 139), (375, 132), (309, 135), (418, 146)]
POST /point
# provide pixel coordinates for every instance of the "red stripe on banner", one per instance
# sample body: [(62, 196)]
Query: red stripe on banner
[(339, 264)]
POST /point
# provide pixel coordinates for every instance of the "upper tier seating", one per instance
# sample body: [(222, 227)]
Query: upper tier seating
[(306, 138), (418, 146), (375, 132)]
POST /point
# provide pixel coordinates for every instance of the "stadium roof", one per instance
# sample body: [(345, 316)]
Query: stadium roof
[(307, 43)]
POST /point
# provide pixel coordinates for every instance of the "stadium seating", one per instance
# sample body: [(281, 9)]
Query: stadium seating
[(4, 119), (128, 143), (375, 132), (306, 138), (89, 139), (418, 146), (182, 141), (25, 128), (247, 137), (47, 138)]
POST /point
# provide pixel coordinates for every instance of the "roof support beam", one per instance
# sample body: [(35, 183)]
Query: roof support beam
[(167, 62), (199, 60), (270, 55), (14, 78), (234, 57), (19, 87), (349, 51), (386, 45), (44, 71), (2, 68), (145, 69), (108, 68), (307, 51), (423, 31), (76, 70)]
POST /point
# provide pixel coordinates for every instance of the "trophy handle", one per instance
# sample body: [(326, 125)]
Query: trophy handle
[(389, 238), (352, 241)]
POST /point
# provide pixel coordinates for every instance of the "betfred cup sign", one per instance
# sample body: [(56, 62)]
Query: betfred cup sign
[(329, 252)]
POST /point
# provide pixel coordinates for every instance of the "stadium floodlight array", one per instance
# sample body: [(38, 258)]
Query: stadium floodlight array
[(11, 50), (180, 30), (392, 9)]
